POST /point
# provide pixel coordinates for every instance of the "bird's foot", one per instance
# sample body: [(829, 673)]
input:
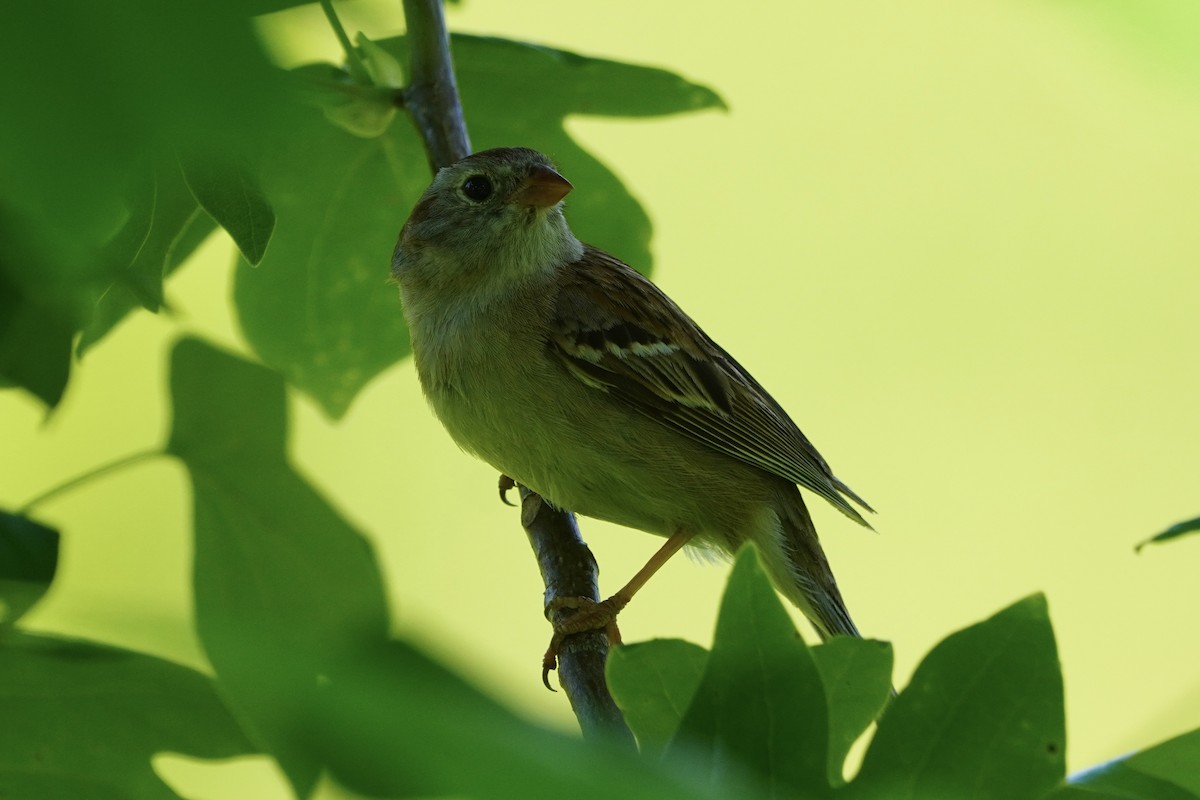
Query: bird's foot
[(506, 483), (589, 616)]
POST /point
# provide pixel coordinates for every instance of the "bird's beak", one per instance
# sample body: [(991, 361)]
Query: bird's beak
[(542, 188)]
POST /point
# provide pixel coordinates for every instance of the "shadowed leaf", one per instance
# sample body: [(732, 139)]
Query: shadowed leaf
[(285, 587), (28, 561), (232, 198), (653, 684), (83, 720), (981, 718), (857, 675), (760, 705)]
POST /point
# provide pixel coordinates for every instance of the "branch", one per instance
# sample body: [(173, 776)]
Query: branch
[(569, 570), (567, 566), (432, 94)]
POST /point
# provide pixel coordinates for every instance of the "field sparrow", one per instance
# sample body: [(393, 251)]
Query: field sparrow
[(629, 412)]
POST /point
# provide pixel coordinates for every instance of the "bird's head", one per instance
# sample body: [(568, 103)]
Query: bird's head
[(494, 215)]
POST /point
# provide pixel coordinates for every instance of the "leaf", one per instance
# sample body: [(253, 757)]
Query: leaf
[(1176, 760), (1116, 780), (83, 720), (857, 675), (45, 287), (291, 611), (124, 80), (117, 302), (232, 198), (1176, 530), (28, 561), (981, 718), (760, 705), (319, 308), (397, 724), (285, 587), (653, 684)]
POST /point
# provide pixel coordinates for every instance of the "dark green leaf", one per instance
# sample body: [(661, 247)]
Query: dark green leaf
[(394, 723), (291, 611), (319, 308), (1118, 781), (1168, 771), (82, 720), (982, 717), (231, 196), (28, 560), (857, 675), (285, 587), (116, 303), (111, 82), (1176, 760), (760, 705), (653, 684), (1178, 529), (45, 289)]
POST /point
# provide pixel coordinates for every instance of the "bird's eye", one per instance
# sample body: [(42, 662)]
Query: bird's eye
[(478, 188)]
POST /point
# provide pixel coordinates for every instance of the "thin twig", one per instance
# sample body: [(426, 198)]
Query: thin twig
[(567, 566), (354, 62)]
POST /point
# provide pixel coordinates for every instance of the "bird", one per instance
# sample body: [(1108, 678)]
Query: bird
[(628, 411)]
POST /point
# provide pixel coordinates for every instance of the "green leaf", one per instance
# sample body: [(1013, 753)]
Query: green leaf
[(982, 717), (45, 288), (760, 705), (232, 198), (1118, 781), (857, 675), (28, 561), (117, 302), (285, 587), (394, 723), (119, 81), (83, 720), (95, 91), (653, 684), (291, 611), (1176, 760), (319, 308), (1176, 530)]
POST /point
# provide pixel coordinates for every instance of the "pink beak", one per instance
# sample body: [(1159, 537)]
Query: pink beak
[(542, 188)]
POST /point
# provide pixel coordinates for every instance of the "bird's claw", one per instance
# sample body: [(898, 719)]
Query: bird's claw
[(589, 616), (506, 483)]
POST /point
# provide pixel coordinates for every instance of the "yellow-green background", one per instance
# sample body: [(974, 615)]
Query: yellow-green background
[(958, 241)]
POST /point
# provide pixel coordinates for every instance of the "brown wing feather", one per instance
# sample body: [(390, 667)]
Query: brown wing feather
[(615, 331)]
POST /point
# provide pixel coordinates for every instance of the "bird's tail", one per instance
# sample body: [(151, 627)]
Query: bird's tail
[(798, 566)]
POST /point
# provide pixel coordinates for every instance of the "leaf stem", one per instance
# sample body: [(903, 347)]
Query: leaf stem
[(354, 62), (91, 474)]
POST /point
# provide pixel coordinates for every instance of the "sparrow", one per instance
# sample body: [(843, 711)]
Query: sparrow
[(628, 411)]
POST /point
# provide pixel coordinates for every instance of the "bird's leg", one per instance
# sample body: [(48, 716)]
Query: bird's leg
[(592, 616)]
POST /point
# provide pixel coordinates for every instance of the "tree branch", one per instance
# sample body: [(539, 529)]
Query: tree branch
[(567, 566), (569, 570), (432, 94)]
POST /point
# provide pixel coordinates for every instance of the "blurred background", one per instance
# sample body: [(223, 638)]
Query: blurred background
[(957, 241)]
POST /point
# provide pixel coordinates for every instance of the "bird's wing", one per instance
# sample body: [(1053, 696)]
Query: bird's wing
[(616, 332)]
